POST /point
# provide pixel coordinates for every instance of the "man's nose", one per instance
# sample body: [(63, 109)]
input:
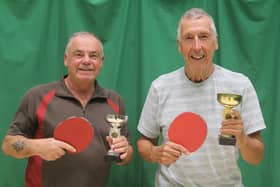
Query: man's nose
[(86, 59), (196, 44)]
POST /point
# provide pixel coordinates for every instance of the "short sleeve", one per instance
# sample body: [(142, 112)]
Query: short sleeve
[(24, 121), (251, 110), (148, 124)]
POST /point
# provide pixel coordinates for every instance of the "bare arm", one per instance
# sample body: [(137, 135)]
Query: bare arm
[(47, 148), (251, 146), (165, 154), (16, 146)]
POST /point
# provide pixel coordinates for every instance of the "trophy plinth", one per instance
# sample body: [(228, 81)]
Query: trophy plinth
[(229, 101), (116, 121)]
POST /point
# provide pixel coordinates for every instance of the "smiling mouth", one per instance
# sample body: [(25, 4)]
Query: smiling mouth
[(80, 69), (197, 57)]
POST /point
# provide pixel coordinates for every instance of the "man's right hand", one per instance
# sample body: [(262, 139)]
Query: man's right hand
[(167, 153), (51, 149)]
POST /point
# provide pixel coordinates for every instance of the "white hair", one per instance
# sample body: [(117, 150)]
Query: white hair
[(83, 33), (196, 13)]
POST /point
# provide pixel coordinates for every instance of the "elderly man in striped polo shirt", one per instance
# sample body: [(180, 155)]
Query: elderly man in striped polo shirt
[(194, 88)]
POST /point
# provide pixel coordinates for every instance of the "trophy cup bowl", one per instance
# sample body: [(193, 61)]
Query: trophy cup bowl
[(229, 101), (116, 121)]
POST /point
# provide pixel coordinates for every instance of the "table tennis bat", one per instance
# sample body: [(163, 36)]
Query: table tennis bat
[(189, 130), (76, 131)]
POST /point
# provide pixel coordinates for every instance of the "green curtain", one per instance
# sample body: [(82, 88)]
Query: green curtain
[(139, 39)]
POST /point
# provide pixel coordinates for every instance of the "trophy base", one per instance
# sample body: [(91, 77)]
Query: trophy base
[(112, 157), (227, 140)]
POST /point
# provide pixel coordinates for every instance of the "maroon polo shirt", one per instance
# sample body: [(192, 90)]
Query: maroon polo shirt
[(41, 109)]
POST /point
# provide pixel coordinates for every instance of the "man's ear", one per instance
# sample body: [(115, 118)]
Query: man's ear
[(65, 60), (102, 61), (179, 46), (216, 44)]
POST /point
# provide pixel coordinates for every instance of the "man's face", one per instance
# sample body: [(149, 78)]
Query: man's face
[(197, 45), (84, 59)]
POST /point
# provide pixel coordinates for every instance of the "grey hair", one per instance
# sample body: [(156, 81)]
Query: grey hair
[(196, 13), (83, 33)]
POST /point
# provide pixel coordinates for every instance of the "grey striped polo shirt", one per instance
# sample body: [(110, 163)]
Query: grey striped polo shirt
[(212, 164)]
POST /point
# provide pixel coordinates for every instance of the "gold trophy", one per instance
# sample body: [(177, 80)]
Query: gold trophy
[(229, 101), (116, 121)]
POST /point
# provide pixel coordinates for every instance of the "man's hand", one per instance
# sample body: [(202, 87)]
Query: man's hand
[(251, 146), (167, 153), (233, 125), (119, 145), (51, 149)]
